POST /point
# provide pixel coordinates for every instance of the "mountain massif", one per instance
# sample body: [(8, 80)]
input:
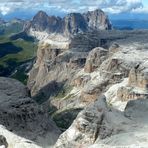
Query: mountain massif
[(71, 24)]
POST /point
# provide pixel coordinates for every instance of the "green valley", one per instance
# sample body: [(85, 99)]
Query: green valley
[(15, 53)]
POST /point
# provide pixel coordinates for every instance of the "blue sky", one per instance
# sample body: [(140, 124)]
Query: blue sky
[(27, 8), (145, 2)]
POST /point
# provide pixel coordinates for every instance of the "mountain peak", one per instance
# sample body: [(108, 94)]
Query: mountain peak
[(97, 20), (98, 10), (40, 15), (40, 21)]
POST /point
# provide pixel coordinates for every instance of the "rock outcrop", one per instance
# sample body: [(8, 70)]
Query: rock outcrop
[(23, 116), (97, 20), (137, 83), (95, 59), (51, 65), (100, 125), (138, 76)]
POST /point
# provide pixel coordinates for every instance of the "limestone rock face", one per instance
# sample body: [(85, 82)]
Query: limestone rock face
[(72, 78), (86, 127), (138, 76), (137, 84), (54, 65), (92, 73), (40, 21), (114, 48), (74, 23), (95, 59), (97, 20), (113, 69), (129, 93), (22, 116), (101, 125)]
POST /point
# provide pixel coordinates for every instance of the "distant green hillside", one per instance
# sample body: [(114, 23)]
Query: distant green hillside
[(28, 50), (15, 54), (11, 27)]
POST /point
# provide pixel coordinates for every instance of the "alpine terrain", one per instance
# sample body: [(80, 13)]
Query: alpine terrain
[(86, 84)]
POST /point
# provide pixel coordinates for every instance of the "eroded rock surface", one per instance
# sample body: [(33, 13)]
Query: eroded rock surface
[(95, 59), (23, 116), (66, 79), (100, 125)]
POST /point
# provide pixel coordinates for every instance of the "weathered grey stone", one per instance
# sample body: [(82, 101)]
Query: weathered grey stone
[(138, 76), (95, 59), (23, 116), (95, 122), (137, 109)]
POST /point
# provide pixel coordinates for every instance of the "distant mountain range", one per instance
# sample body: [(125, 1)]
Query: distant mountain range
[(71, 23), (11, 27)]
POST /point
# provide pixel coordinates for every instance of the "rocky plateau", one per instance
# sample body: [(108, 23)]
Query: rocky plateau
[(115, 67)]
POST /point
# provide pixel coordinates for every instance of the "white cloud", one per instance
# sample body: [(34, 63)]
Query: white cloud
[(110, 6), (8, 6), (128, 6), (141, 10), (4, 10)]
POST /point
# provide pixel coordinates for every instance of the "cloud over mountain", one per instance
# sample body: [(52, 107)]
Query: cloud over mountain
[(110, 6)]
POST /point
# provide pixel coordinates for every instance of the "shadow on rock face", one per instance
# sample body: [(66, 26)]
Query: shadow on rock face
[(51, 89), (3, 141), (65, 118), (23, 116)]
